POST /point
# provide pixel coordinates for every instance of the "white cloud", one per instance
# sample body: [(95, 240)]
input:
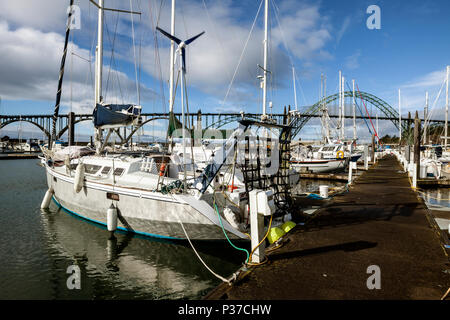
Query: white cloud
[(31, 33), (212, 59), (434, 78), (352, 61), (343, 29), (43, 14), (30, 68), (414, 91)]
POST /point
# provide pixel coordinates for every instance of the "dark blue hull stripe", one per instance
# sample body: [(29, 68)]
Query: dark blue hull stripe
[(119, 228)]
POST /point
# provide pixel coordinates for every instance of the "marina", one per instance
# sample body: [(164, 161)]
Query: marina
[(328, 256), (184, 163)]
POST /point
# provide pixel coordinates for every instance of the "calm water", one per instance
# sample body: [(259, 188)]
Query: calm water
[(37, 247), (438, 196)]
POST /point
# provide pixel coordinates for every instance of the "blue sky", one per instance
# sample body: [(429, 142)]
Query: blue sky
[(410, 51)]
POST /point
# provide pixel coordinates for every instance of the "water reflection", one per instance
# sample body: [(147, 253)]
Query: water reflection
[(437, 197), (131, 266), (37, 247)]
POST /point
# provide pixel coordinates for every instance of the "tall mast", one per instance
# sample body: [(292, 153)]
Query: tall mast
[(343, 109), (446, 109), (182, 53), (425, 116), (98, 74), (399, 118), (60, 80), (183, 70), (172, 54), (266, 24), (327, 124), (340, 104), (99, 55), (354, 110), (321, 97)]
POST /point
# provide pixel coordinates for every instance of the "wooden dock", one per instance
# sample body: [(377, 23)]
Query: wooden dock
[(19, 155), (343, 177), (380, 222)]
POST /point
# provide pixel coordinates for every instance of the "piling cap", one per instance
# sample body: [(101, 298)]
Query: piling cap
[(275, 234), (287, 226)]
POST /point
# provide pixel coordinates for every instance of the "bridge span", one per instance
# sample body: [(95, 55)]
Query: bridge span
[(219, 120)]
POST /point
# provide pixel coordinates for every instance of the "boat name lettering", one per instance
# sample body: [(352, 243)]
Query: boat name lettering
[(112, 196)]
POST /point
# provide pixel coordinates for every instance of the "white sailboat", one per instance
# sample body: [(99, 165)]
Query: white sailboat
[(316, 159), (147, 192)]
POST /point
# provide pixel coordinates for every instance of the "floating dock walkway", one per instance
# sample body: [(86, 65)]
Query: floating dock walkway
[(17, 155), (380, 222)]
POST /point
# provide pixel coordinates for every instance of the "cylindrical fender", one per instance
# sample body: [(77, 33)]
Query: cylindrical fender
[(79, 178)]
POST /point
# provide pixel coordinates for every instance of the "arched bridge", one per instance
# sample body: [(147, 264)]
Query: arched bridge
[(218, 120), (315, 110), (44, 122)]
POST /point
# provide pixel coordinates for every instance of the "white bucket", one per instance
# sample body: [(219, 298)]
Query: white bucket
[(423, 171), (323, 191)]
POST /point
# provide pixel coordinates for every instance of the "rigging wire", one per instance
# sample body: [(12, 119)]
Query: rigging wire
[(359, 108), (376, 133), (157, 56), (242, 54), (215, 34), (111, 60), (276, 10), (134, 52), (427, 120)]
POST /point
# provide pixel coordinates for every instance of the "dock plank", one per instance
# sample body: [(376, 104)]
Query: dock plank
[(380, 221)]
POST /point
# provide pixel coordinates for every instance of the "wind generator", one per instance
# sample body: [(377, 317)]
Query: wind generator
[(181, 50)]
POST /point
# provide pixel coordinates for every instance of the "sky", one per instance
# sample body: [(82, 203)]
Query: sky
[(410, 52)]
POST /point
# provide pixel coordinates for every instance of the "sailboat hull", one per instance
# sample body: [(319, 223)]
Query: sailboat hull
[(318, 166), (142, 212)]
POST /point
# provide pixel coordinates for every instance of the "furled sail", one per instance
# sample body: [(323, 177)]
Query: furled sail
[(115, 115)]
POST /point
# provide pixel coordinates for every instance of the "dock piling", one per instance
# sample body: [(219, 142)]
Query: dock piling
[(71, 129), (416, 168), (366, 157), (256, 229), (350, 169)]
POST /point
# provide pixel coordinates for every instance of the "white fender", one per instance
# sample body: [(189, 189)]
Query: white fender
[(79, 178), (111, 218), (47, 198)]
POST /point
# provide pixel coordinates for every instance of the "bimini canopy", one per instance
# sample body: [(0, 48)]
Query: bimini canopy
[(115, 115)]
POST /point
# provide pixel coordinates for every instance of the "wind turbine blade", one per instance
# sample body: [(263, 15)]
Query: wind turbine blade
[(193, 38), (183, 58), (168, 35)]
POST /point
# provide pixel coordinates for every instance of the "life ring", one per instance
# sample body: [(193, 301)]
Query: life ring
[(340, 154)]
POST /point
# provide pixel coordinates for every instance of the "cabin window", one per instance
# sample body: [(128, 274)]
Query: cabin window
[(91, 168), (106, 170), (118, 171)]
